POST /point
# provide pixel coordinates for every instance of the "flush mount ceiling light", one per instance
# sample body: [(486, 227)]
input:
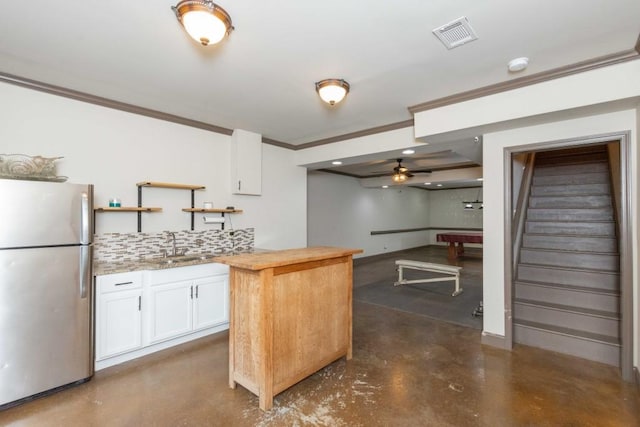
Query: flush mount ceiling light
[(332, 91), (206, 22)]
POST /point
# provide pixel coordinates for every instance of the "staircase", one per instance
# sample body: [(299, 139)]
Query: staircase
[(567, 287)]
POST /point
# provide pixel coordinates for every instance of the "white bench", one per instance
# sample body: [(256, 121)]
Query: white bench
[(453, 273)]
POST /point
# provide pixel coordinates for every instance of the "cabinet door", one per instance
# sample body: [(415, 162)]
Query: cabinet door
[(170, 310), (211, 301), (118, 323), (246, 163)]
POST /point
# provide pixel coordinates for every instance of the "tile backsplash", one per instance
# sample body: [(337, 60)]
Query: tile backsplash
[(112, 247)]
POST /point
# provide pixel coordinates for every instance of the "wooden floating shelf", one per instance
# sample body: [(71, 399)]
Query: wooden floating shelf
[(127, 209), (201, 210), (170, 185)]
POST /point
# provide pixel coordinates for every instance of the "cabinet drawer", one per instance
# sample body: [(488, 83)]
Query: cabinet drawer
[(119, 282)]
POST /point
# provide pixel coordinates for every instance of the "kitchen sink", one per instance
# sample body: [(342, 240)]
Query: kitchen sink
[(178, 259)]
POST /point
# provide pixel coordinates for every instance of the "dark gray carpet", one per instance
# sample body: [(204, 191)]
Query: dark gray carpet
[(432, 300)]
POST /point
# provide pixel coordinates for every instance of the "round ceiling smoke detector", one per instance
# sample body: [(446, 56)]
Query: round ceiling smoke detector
[(518, 64)]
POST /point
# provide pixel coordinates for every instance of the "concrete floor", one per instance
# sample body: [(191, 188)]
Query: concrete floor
[(406, 370)]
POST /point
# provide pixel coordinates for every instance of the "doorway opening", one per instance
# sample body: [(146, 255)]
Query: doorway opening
[(569, 281)]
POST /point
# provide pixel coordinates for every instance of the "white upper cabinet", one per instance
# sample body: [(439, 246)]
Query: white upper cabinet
[(246, 163)]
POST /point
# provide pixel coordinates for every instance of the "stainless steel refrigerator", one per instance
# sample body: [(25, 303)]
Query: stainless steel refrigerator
[(46, 297)]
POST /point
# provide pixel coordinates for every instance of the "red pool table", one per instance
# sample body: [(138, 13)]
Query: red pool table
[(460, 239)]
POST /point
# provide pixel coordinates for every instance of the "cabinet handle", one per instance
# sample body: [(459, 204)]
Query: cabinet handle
[(197, 286), (239, 184), (139, 303), (123, 283), (191, 291)]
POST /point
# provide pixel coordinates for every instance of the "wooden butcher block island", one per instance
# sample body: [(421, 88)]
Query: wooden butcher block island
[(290, 316)]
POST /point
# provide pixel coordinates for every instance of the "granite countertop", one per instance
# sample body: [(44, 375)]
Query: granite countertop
[(102, 268)]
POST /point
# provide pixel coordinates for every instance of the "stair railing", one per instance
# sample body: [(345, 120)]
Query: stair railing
[(613, 158), (519, 213)]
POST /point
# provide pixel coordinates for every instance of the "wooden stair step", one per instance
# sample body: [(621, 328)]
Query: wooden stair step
[(570, 189), (578, 296), (570, 214), (606, 244), (572, 317), (568, 276), (573, 259), (571, 309), (576, 178), (606, 339), (578, 228), (565, 202), (562, 340), (569, 169)]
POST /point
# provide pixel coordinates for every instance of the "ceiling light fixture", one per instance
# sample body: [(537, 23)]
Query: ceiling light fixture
[(409, 151), (336, 162), (206, 22), (399, 177), (332, 91), (476, 203)]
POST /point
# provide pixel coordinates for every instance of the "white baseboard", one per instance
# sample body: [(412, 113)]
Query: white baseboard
[(494, 340)]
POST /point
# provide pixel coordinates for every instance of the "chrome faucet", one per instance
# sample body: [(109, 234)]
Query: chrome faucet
[(172, 238)]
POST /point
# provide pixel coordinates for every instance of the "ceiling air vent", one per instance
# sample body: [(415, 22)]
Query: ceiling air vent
[(456, 33)]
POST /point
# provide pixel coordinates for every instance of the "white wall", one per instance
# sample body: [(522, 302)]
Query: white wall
[(113, 150), (530, 103), (494, 185), (343, 213), (446, 210)]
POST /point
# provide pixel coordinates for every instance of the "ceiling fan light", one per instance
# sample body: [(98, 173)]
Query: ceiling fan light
[(204, 21), (399, 177), (332, 91)]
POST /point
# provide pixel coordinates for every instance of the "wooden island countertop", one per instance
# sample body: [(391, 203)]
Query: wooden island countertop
[(270, 259), (290, 316)]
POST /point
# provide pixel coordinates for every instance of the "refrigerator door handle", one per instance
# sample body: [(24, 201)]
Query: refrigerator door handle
[(85, 221), (85, 269)]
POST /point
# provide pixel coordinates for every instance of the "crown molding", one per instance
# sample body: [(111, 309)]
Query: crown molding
[(357, 134), (579, 67), (568, 70), (109, 103), (278, 143)]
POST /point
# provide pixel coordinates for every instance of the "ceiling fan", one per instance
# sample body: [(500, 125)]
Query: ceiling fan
[(401, 173)]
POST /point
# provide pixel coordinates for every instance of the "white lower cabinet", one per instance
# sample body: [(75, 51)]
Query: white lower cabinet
[(181, 307), (138, 313), (170, 313), (209, 309), (118, 314)]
